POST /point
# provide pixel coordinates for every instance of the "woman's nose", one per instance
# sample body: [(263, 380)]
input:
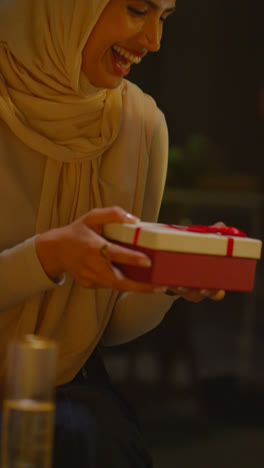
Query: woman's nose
[(151, 35)]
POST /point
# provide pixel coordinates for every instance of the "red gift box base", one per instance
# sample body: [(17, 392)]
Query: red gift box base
[(194, 270)]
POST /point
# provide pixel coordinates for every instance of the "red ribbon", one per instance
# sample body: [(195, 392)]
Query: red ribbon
[(225, 230), (199, 228), (135, 240)]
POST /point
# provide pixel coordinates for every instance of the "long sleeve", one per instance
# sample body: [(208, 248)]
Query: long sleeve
[(22, 169), (21, 274), (137, 313)]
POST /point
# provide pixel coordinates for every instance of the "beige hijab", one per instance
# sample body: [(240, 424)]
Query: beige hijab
[(53, 109), (42, 99)]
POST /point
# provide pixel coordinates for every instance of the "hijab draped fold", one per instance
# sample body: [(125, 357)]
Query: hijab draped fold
[(50, 106), (44, 100)]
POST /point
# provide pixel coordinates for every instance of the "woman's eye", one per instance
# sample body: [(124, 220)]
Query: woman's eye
[(137, 12)]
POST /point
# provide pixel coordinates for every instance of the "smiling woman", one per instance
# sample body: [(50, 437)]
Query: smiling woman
[(80, 146), (125, 32)]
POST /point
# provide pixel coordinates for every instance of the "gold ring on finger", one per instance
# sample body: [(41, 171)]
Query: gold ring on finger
[(103, 249)]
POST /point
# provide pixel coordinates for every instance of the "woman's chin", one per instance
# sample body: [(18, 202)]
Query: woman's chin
[(110, 81)]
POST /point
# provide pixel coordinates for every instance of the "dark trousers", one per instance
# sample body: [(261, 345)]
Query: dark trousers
[(95, 427)]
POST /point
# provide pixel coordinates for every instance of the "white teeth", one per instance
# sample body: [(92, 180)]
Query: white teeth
[(127, 55), (123, 65)]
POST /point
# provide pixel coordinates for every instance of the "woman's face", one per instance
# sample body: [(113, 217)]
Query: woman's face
[(124, 33)]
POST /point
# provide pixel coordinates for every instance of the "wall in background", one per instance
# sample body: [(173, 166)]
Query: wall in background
[(208, 76)]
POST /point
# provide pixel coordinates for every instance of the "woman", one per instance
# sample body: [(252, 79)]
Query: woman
[(79, 145)]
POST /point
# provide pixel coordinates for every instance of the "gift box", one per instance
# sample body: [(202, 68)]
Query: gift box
[(193, 257)]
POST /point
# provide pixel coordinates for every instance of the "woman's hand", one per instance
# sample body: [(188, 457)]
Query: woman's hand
[(197, 295), (76, 249)]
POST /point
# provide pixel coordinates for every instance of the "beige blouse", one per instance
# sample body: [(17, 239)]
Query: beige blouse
[(75, 317)]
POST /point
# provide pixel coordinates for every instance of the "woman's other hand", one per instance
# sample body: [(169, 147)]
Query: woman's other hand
[(77, 249), (197, 295)]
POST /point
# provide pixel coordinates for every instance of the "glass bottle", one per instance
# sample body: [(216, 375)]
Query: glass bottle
[(28, 407)]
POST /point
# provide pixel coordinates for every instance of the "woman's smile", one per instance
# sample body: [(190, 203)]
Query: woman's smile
[(122, 59)]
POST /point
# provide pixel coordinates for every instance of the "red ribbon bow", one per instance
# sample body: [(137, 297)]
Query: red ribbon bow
[(225, 230)]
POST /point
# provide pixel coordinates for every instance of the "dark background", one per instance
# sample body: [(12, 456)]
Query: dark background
[(208, 76), (197, 380)]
